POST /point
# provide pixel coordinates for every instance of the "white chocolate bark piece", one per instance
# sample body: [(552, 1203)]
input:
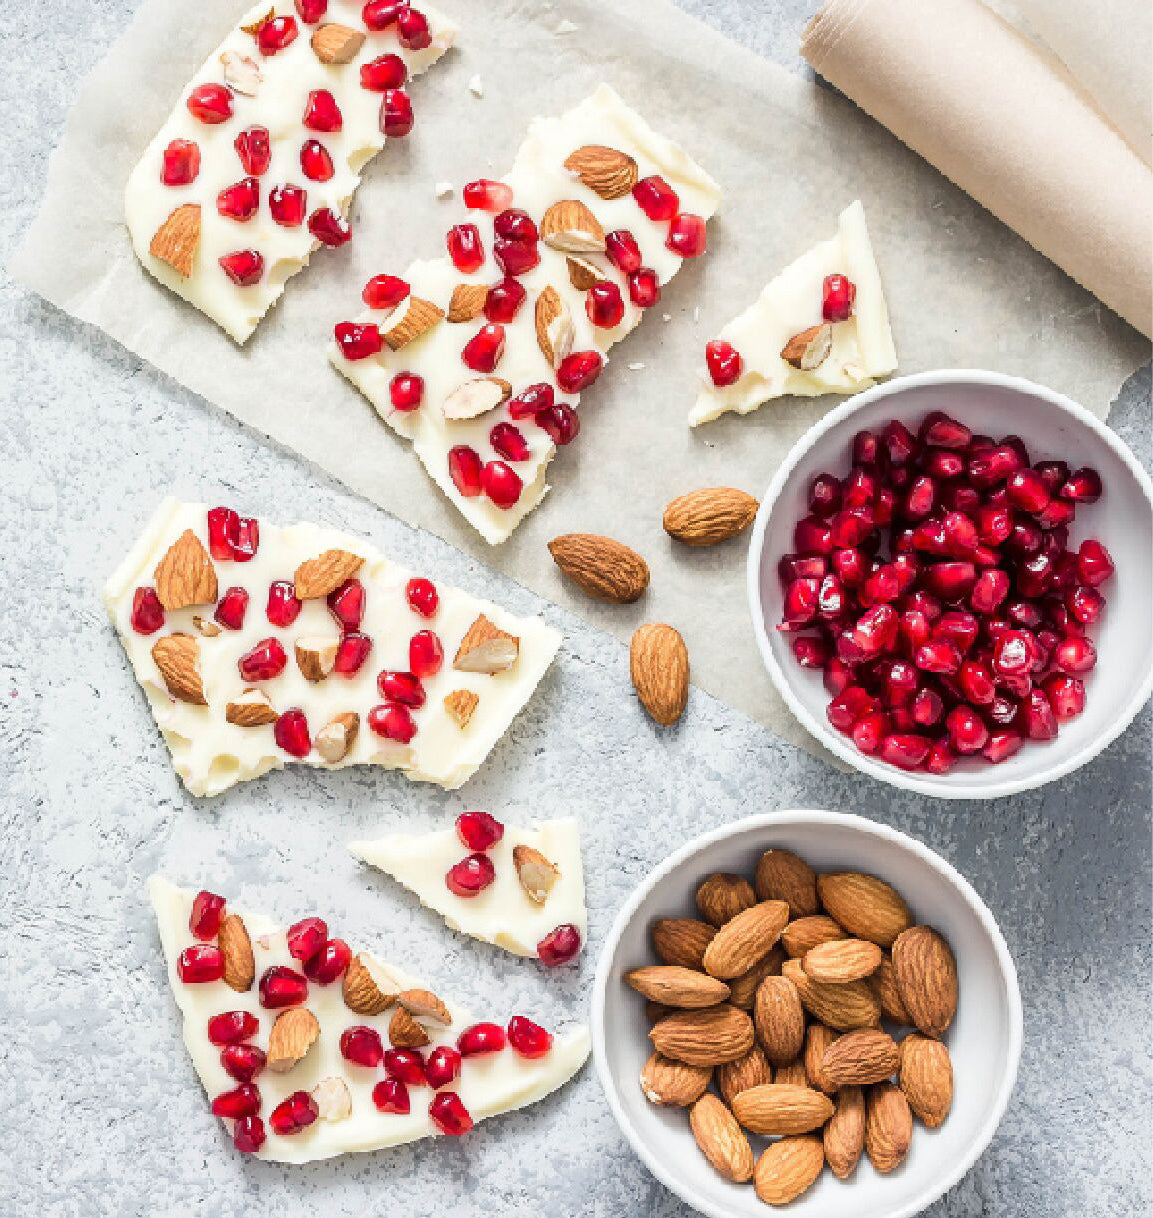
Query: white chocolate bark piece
[(269, 91), (211, 753), (488, 1085), (538, 180), (862, 347), (503, 913)]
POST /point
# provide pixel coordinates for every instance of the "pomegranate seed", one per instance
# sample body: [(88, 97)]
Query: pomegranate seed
[(724, 362), (907, 751), (231, 607), (425, 654), (358, 340), (306, 937), (291, 732), (346, 604), (976, 682), (514, 224), (1066, 696), (824, 495), (1082, 486), (232, 1027), (211, 104), (559, 946), (449, 1115), (242, 1062), (837, 295), (1001, 746), (623, 251), (422, 596), (405, 1066), (686, 236), (531, 401), (868, 731), (486, 195), (801, 603), (515, 257), (147, 611), (483, 351), (401, 687), (967, 733), (248, 1134), (920, 499), (1027, 490), (951, 581), (501, 484), (351, 653), (243, 1101), (504, 300), (384, 292), (328, 227), (509, 442), (283, 607), (838, 676), (850, 566), (412, 30), (560, 422), (926, 708), (391, 1095), (1094, 563), (470, 876), (851, 704), (254, 148), (900, 442), (914, 628), (287, 205), (604, 305), (265, 661), (396, 117), (957, 627), (1035, 718), (443, 1066), (1013, 653), (860, 489), (294, 1114), (465, 248), (866, 448), (380, 14), (1059, 512), (812, 535), (362, 1046), (994, 524), (464, 467), (1085, 604), (393, 722), (311, 11), (882, 586), (656, 198), (239, 201), (943, 432), (992, 466), (1023, 613), (876, 629), (384, 73), (941, 758), (1053, 474), (1025, 539), (181, 163), (528, 1039), (243, 267), (329, 964), (943, 464), (478, 830), (989, 591), (275, 35), (315, 162), (282, 987), (405, 391), (481, 1038), (901, 682), (206, 915), (232, 537), (831, 597), (200, 963)]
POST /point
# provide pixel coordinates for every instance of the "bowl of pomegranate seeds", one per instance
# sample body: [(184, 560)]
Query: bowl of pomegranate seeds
[(950, 581)]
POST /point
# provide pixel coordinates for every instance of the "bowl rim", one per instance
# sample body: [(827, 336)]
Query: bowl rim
[(836, 820), (946, 786)]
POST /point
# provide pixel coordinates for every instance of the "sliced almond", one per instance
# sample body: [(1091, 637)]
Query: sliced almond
[(178, 238), (467, 303), (315, 656), (412, 318), (185, 575), (461, 704), (177, 656), (236, 948), (611, 174), (810, 348), (555, 332), (405, 1033), (582, 273), (335, 43), (251, 709), (486, 648), (337, 736), (241, 73), (424, 1004), (259, 23), (332, 1098), (476, 397), (365, 990), (293, 1034), (319, 576), (536, 874), (570, 227), (205, 627)]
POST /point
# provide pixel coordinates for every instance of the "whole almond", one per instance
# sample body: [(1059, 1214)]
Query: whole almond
[(803, 934), (842, 960), (866, 907), (884, 981), (293, 1034), (845, 1133), (721, 1139), (363, 991), (659, 666), (608, 172), (788, 1168), (752, 1070), (863, 1056), (926, 976), (673, 1084), (681, 941), (745, 939), (888, 1127), (319, 576), (708, 516), (177, 656), (779, 1019), (783, 876), (926, 1078), (792, 1073), (779, 1108), (606, 569), (843, 1007), (704, 1038), (675, 986), (743, 989), (236, 948), (817, 1040), (185, 574), (721, 896)]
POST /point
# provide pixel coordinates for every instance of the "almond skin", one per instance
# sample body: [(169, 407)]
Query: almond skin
[(844, 1135), (677, 987), (709, 516), (752, 1070), (361, 992), (843, 1007), (722, 896), (704, 1038), (682, 941), (673, 1084), (780, 1108), (659, 666), (745, 939), (743, 989), (236, 947), (404, 1032), (788, 1168), (779, 1020), (818, 1038), (721, 1139), (926, 1078), (792, 1073), (802, 935), (866, 907), (783, 876), (842, 960), (888, 1127), (926, 976), (884, 982), (319, 576), (866, 1055), (178, 238)]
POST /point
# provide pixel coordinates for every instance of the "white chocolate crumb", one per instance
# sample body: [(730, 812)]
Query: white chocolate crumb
[(566, 27), (476, 86), (443, 190), (666, 317), (696, 314), (636, 367)]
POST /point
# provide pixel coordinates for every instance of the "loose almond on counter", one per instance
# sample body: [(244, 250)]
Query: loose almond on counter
[(604, 568), (709, 516), (659, 665)]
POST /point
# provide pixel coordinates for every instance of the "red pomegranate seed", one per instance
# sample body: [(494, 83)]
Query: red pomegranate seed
[(838, 676), (311, 11), (559, 946), (180, 163), (396, 118), (604, 305), (1082, 486), (291, 732), (509, 442), (315, 162), (351, 653), (920, 498), (358, 340), (383, 73), (405, 1066), (206, 915), (283, 607), (860, 489), (838, 293), (464, 467), (824, 495), (265, 661), (242, 1101), (442, 1067), (528, 1039), (294, 1114), (812, 535), (967, 733), (989, 467), (958, 627), (422, 596), (1059, 512), (724, 362), (941, 758), (907, 751), (248, 1134), (943, 464), (391, 1095), (976, 682), (232, 537), (211, 104), (926, 708), (531, 401), (346, 604), (479, 830), (1085, 604), (914, 628), (902, 445), (239, 201), (901, 682), (623, 251), (866, 448), (876, 629), (1053, 474), (287, 205), (1001, 746), (200, 963), (412, 30), (501, 483), (686, 235), (275, 35), (801, 604), (1035, 575), (869, 730), (329, 964), (306, 937), (989, 591), (380, 14), (393, 722), (504, 300), (362, 1046), (561, 423), (1023, 613), (405, 391), (515, 257), (483, 351), (242, 1062), (425, 654), (851, 704), (1035, 718), (1094, 563), (882, 586), (243, 267), (470, 876), (401, 687), (384, 292), (1027, 490), (1024, 539), (231, 607), (656, 198), (514, 224), (147, 611), (465, 247), (328, 227), (481, 1038), (831, 601), (1066, 696), (486, 195), (254, 148), (944, 432), (231, 1027), (849, 565), (449, 1114), (951, 581), (850, 527), (282, 987)]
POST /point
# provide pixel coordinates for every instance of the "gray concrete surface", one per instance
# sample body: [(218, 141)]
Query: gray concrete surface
[(103, 1113)]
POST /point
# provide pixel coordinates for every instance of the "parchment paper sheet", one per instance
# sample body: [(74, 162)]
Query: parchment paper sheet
[(962, 289)]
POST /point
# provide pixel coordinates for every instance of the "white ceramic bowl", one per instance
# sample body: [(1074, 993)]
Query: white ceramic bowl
[(984, 1040), (1052, 426)]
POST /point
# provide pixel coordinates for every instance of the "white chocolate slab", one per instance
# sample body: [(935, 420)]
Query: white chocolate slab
[(488, 1085), (862, 346), (278, 104), (503, 913), (538, 179), (210, 754)]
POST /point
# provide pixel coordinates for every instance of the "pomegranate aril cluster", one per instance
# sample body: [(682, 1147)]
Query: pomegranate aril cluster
[(936, 587)]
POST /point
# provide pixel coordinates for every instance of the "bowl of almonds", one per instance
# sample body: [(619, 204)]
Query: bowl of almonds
[(811, 1010)]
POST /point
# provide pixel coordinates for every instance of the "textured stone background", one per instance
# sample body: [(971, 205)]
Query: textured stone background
[(104, 1114)]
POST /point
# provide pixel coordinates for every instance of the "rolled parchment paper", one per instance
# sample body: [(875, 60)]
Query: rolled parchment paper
[(1008, 125)]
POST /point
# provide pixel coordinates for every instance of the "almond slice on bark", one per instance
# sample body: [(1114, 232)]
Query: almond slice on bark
[(319, 576), (365, 991), (293, 1034), (570, 227), (185, 575), (810, 348), (424, 1004), (405, 1033), (178, 238), (486, 648), (536, 874), (205, 627), (335, 43), (241, 73), (582, 273), (251, 709), (337, 736), (236, 948), (414, 316), (315, 656), (177, 656), (468, 301), (555, 332), (259, 23), (476, 397), (611, 174), (461, 705)]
